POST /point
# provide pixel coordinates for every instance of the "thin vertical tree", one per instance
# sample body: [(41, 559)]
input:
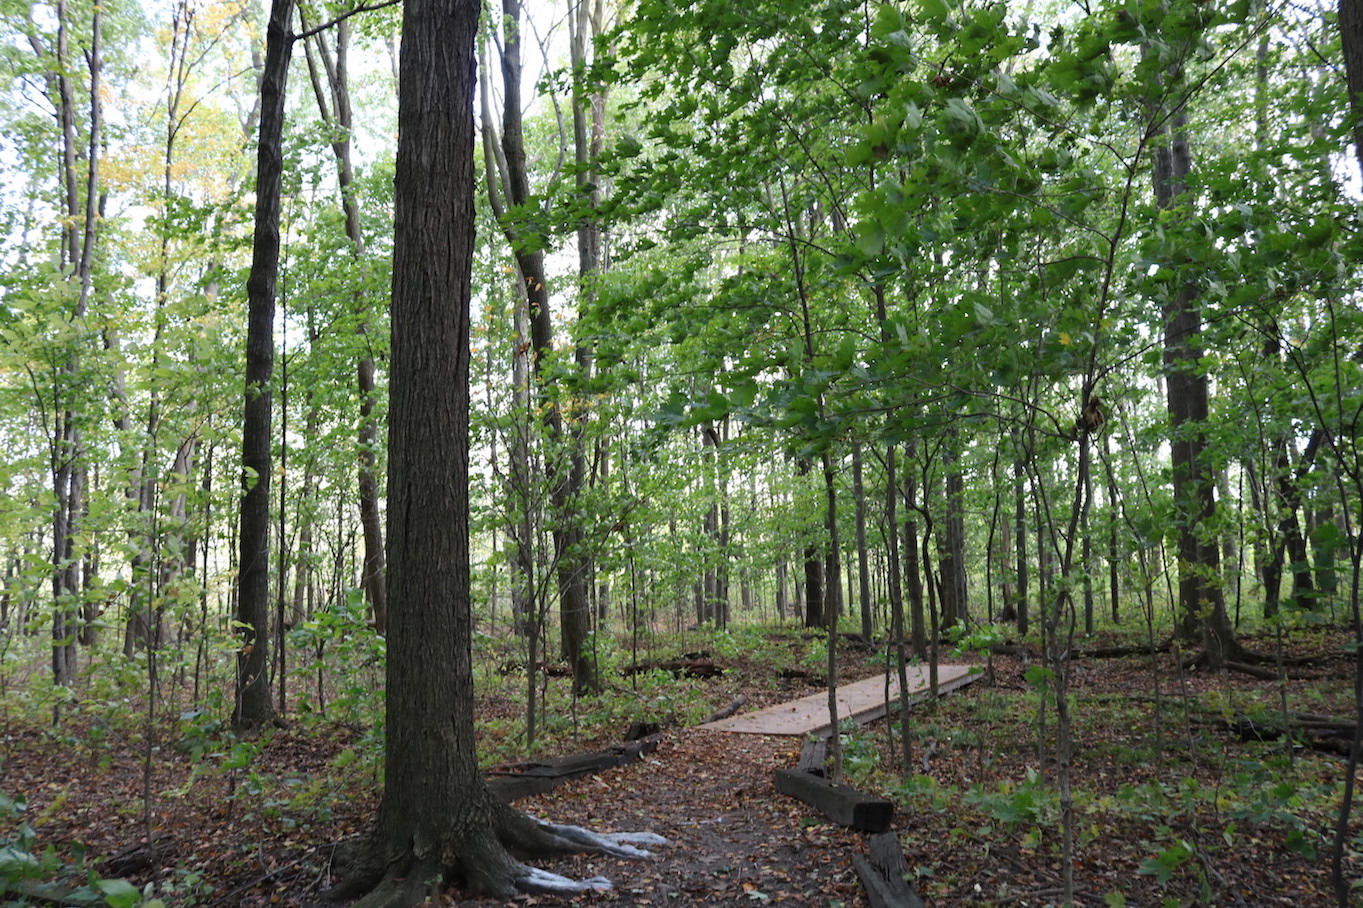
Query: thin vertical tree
[(253, 705)]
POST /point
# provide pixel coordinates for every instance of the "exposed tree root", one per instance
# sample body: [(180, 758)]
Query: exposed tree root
[(486, 862)]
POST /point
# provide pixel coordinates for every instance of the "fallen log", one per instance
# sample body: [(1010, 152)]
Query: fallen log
[(132, 858), (639, 730), (734, 706), (1319, 733), (678, 668), (885, 873), (856, 641), (843, 805), (510, 782)]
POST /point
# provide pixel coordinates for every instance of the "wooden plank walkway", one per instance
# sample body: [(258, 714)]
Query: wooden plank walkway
[(861, 700)]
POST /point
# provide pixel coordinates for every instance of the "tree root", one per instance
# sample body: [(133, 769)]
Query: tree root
[(487, 862)]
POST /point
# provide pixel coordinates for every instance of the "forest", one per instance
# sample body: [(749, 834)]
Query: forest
[(401, 398)]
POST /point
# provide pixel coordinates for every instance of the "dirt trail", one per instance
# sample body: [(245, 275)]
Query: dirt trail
[(732, 838)]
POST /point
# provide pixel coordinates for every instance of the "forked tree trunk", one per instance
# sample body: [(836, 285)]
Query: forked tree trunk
[(77, 259)]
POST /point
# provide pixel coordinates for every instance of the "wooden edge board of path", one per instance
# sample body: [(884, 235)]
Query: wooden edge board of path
[(862, 700)]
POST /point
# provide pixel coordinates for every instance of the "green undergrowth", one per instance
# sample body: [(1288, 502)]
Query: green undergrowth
[(1175, 808)]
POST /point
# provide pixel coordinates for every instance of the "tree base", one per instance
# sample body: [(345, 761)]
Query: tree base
[(484, 860)]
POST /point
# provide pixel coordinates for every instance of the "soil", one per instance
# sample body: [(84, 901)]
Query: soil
[(977, 822)]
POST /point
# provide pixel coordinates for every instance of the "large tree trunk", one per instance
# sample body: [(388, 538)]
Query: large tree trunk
[(1351, 40), (438, 821), (254, 706)]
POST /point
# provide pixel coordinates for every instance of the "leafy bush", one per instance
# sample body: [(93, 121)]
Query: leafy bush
[(25, 870)]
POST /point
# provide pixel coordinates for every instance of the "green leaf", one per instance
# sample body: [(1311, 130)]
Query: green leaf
[(1037, 676), (18, 864), (1297, 843), (119, 893), (935, 10)]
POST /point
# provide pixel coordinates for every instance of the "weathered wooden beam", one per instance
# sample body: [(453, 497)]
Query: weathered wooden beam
[(843, 805), (885, 873), (680, 668), (814, 757)]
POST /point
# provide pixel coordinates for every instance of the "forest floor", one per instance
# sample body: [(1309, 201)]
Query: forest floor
[(1170, 807)]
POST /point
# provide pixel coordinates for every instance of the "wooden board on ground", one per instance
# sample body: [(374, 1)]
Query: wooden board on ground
[(841, 804), (885, 874), (861, 700)]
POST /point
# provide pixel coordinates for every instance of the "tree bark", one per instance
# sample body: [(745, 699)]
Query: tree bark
[(438, 821), (79, 199), (1351, 39), (338, 115), (1020, 536), (955, 605), (913, 567), (565, 480), (253, 704), (863, 567), (1201, 601)]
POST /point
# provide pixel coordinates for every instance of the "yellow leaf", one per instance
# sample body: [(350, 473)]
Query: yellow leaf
[(1065, 338)]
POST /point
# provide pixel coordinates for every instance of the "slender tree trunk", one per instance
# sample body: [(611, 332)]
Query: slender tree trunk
[(522, 523), (1020, 536), (782, 601), (955, 605), (254, 705), (863, 565), (564, 480), (1086, 553), (913, 568), (333, 104), (80, 201), (1200, 595), (1114, 514)]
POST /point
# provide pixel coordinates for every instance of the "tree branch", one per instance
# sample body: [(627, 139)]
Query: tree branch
[(298, 36)]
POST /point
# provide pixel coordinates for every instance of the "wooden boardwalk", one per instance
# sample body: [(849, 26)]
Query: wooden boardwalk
[(861, 700)]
